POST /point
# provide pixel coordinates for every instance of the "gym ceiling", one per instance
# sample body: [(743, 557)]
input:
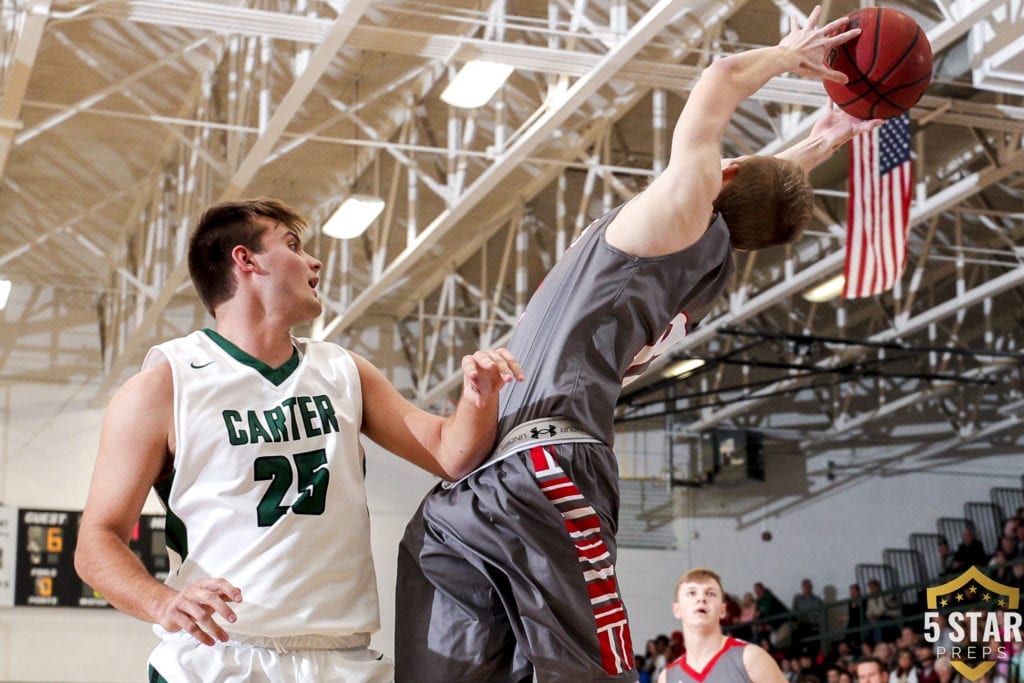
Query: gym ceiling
[(121, 119)]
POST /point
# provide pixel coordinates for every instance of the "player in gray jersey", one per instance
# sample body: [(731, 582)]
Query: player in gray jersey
[(511, 572), (711, 656), (251, 437)]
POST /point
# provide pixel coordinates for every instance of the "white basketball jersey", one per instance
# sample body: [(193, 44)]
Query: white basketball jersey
[(267, 489)]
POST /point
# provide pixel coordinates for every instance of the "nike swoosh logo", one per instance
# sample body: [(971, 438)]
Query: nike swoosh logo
[(193, 364)]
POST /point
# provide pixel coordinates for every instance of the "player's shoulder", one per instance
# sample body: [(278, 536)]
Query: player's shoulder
[(760, 666)]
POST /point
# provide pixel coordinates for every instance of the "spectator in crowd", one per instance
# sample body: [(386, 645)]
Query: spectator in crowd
[(844, 655), (676, 646), (748, 613), (908, 639), (879, 610), (997, 567), (885, 652), (855, 616), (944, 672), (945, 557), (662, 656), (1020, 539), (945, 641), (1008, 544), (1016, 578), (926, 669), (845, 677), (773, 611), (646, 669), (808, 609), (732, 610), (872, 670), (970, 551), (904, 671)]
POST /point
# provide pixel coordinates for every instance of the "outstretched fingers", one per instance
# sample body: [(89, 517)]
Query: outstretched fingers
[(811, 43)]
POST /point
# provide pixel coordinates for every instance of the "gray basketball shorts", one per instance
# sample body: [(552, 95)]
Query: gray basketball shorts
[(512, 572)]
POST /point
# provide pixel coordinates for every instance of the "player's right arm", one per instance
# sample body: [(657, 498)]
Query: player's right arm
[(136, 442), (674, 211)]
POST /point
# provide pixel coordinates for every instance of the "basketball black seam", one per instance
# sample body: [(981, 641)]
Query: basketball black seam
[(898, 62), (884, 97)]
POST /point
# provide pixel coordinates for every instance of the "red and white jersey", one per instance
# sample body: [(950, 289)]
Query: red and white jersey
[(725, 667)]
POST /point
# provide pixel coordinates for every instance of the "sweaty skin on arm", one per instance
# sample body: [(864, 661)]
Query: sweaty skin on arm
[(674, 211), (136, 446)]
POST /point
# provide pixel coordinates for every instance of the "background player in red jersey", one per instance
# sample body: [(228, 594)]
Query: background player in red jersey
[(710, 655)]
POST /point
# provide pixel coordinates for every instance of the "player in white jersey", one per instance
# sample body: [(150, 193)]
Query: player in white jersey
[(251, 438), (710, 655)]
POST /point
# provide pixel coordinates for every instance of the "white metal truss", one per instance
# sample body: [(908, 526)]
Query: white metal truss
[(121, 119)]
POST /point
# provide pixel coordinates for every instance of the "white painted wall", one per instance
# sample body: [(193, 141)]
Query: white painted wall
[(48, 437)]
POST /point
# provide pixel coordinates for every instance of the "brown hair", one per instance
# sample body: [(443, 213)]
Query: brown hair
[(223, 227), (769, 201), (699, 575)]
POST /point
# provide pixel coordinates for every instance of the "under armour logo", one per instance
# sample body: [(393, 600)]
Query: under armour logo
[(536, 432)]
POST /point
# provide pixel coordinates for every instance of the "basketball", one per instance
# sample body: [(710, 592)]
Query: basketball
[(889, 65)]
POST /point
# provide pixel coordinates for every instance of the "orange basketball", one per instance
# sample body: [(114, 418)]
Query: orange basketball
[(889, 65)]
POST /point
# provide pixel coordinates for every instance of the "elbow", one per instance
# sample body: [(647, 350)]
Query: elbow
[(724, 71), (453, 471), (82, 565)]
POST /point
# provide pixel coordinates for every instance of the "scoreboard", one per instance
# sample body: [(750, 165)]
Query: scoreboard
[(44, 568)]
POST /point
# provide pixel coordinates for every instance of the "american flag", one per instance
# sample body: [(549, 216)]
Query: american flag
[(878, 212)]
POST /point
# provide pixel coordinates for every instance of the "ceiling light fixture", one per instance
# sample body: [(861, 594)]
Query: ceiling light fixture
[(353, 217), (5, 291), (683, 367), (826, 291), (476, 83)]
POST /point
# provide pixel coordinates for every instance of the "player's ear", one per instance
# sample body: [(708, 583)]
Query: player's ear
[(729, 172), (677, 611), (242, 257)]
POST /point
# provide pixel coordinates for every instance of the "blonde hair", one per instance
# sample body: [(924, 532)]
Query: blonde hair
[(699, 575)]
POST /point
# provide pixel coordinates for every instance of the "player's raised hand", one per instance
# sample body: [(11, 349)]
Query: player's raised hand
[(836, 127), (486, 372), (192, 609), (809, 43)]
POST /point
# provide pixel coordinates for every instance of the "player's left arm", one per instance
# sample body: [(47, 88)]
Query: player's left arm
[(448, 447), (760, 666)]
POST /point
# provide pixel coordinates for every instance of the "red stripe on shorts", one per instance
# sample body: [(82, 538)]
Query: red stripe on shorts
[(584, 527)]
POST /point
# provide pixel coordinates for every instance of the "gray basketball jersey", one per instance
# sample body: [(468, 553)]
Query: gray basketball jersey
[(600, 317), (724, 667)]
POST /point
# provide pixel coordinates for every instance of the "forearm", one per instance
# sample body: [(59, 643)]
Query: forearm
[(106, 563), (811, 151), (467, 436), (738, 76), (722, 87)]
